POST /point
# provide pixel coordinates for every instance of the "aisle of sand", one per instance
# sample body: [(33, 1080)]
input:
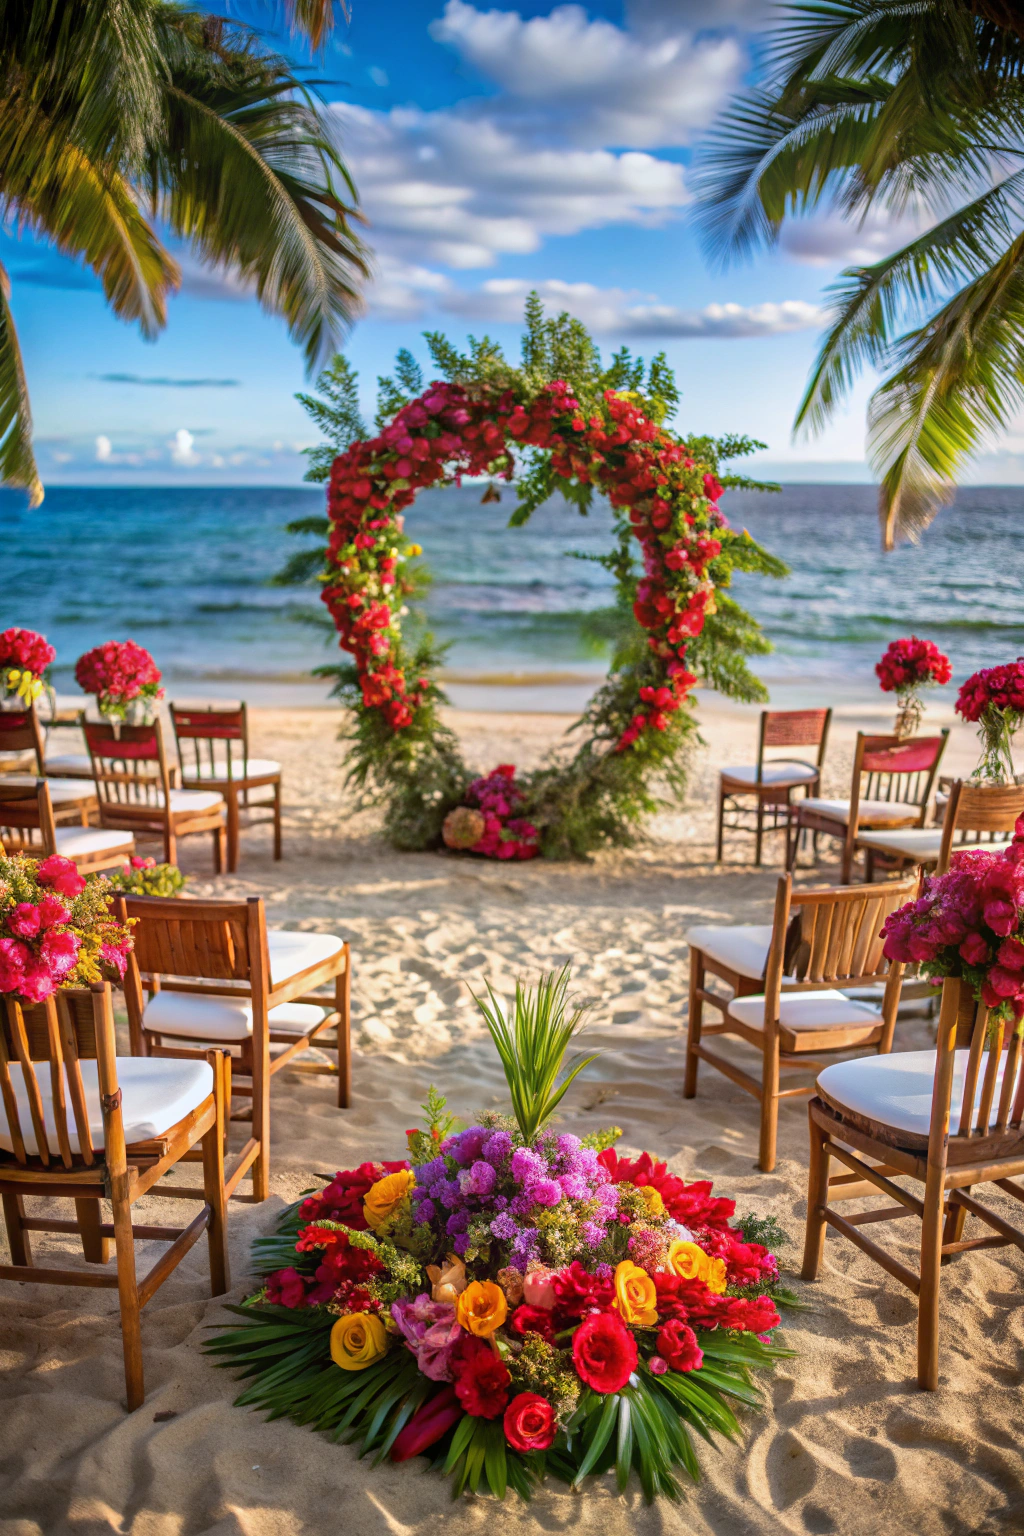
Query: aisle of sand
[(846, 1443)]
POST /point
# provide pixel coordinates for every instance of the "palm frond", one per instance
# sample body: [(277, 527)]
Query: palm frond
[(17, 461)]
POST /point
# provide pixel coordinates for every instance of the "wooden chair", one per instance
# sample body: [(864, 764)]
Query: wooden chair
[(770, 782), (130, 1122), (823, 942), (974, 817), (73, 799), (949, 1119), (891, 788), (225, 765), (27, 826), (215, 974), (133, 785)]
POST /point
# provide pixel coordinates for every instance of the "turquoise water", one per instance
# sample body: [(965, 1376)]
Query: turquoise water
[(186, 572)]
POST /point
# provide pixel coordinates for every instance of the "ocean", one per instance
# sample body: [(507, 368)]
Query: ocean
[(186, 573)]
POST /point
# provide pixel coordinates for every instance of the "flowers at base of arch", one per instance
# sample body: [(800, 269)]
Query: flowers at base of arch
[(24, 658), (529, 1422), (604, 1352), (357, 1340), (118, 672), (487, 824)]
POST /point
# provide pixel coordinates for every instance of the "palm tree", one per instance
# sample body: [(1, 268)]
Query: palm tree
[(119, 118), (915, 107)]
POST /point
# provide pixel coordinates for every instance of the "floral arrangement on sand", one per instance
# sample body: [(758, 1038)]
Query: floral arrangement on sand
[(55, 929), (908, 666), (145, 877), (24, 658), (119, 673), (488, 824), (969, 923), (512, 1300), (993, 699)]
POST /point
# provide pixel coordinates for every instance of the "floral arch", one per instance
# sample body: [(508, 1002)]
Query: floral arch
[(674, 555)]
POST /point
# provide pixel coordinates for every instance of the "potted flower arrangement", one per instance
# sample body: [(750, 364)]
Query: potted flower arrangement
[(908, 666), (125, 679), (514, 1301), (55, 929), (969, 923), (993, 699), (24, 658)]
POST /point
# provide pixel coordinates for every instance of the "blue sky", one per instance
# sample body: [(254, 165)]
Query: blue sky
[(494, 150)]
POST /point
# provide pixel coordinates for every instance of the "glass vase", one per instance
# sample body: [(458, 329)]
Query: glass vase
[(996, 730), (908, 713)]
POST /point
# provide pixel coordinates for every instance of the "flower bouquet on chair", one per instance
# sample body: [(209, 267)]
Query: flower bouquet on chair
[(513, 1301), (908, 666), (993, 699), (125, 679), (24, 658), (55, 929)]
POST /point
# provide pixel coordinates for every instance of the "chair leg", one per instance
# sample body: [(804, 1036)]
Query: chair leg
[(128, 1295), (953, 1227), (343, 1005), (792, 842), (769, 1107), (232, 799), (931, 1273), (95, 1246), (759, 834), (213, 1188), (261, 1119), (695, 1018), (277, 821), (17, 1238), (170, 846), (817, 1199), (721, 823)]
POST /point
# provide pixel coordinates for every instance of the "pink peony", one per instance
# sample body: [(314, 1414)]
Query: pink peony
[(61, 874), (52, 911), (59, 952), (14, 957), (23, 920), (37, 983)]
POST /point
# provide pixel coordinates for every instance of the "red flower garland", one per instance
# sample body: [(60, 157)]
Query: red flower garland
[(451, 431)]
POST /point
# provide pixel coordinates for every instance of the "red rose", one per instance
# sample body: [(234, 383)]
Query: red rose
[(1011, 954), (677, 1344), (527, 1319), (604, 1352), (529, 1422), (481, 1377)]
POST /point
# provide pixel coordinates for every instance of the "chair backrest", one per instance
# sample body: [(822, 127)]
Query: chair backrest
[(129, 765), (989, 1123), (831, 937), (217, 737), (194, 942), (26, 809), (75, 1025), (977, 808), (20, 731), (792, 728)]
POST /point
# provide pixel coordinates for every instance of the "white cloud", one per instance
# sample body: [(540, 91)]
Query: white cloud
[(835, 239), (104, 448), (181, 449), (598, 82)]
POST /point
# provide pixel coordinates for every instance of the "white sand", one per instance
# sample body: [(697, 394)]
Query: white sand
[(846, 1443)]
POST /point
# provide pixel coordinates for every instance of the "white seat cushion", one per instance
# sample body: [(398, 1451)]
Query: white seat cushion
[(77, 842), (155, 1094), (921, 843), (75, 763), (218, 1019), (62, 791), (191, 799), (773, 773), (869, 810), (743, 948), (292, 952), (258, 768), (897, 1089), (826, 1009)]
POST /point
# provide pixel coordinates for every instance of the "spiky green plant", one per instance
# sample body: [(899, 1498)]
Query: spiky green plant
[(532, 1035)]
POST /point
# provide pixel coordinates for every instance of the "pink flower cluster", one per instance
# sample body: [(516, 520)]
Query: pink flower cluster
[(118, 671), (912, 663), (25, 650), (969, 922), (998, 688), (37, 950), (505, 835)]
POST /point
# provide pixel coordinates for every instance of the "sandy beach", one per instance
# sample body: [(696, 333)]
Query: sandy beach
[(846, 1443)]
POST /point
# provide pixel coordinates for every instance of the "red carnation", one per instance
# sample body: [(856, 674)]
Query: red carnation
[(529, 1422), (481, 1377), (342, 1199), (527, 1319), (577, 1291), (604, 1352), (677, 1343), (286, 1288)]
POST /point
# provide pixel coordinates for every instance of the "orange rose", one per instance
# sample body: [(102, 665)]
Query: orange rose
[(482, 1308), (383, 1198), (635, 1296)]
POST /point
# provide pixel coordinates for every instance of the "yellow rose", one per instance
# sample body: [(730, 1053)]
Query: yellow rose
[(715, 1278), (384, 1197), (652, 1200), (482, 1308), (692, 1263), (357, 1340), (635, 1295)]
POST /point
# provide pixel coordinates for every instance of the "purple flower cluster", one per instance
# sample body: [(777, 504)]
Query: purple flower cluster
[(480, 1176)]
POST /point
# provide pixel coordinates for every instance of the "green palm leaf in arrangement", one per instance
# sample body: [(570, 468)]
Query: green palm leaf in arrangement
[(531, 1035)]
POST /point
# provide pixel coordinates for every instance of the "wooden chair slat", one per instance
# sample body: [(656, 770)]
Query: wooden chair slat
[(56, 1055), (76, 1088), (819, 944), (988, 1090), (1009, 1078), (19, 1040), (7, 1086), (971, 1076)]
